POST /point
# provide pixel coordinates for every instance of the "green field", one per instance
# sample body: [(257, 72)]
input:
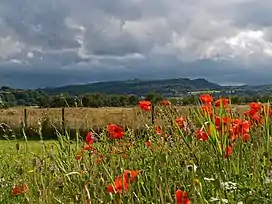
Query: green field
[(31, 146)]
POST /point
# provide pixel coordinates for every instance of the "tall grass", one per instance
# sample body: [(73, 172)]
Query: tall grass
[(197, 155)]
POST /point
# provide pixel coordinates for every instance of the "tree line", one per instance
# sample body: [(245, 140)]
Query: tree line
[(13, 97)]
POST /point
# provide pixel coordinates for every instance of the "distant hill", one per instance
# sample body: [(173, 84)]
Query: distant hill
[(166, 87), (127, 93)]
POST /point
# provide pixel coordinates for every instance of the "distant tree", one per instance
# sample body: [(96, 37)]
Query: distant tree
[(234, 99), (154, 97), (58, 101), (2, 105), (9, 99), (190, 100), (133, 100), (21, 102)]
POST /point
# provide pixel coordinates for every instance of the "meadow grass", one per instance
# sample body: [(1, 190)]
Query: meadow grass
[(225, 162), (33, 146)]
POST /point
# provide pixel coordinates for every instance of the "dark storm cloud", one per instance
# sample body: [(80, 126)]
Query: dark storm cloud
[(38, 23), (256, 14), (55, 42)]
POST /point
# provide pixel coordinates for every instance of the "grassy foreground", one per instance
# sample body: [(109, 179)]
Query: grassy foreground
[(210, 154)]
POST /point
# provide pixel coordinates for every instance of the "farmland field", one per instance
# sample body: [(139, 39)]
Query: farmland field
[(73, 116), (209, 154), (83, 117)]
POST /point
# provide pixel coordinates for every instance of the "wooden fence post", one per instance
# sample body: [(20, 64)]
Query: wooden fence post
[(152, 114), (25, 119), (63, 120)]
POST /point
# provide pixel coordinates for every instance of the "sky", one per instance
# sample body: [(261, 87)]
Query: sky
[(61, 42)]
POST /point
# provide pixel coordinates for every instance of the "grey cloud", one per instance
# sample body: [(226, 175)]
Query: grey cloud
[(70, 41), (38, 23), (254, 14)]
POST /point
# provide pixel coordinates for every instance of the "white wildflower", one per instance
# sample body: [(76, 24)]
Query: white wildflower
[(217, 199), (268, 179), (229, 185), (3, 183), (190, 168), (209, 179)]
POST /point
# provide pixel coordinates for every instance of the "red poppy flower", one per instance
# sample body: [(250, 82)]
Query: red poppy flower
[(240, 126), (182, 197), (159, 131), (228, 151), (78, 157), (252, 112), (181, 122), (115, 131), (121, 183), (223, 101), (148, 143), (217, 122), (245, 126), (206, 98), (24, 188), (207, 109), (99, 159), (201, 134), (16, 191), (89, 138), (165, 103), (255, 106), (131, 174), (19, 189), (246, 137), (257, 118), (87, 148), (221, 121), (233, 137), (145, 105)]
